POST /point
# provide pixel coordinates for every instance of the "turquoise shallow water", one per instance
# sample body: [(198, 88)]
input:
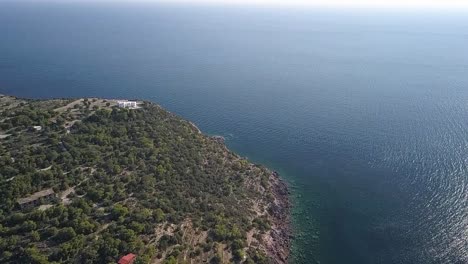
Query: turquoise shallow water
[(364, 112)]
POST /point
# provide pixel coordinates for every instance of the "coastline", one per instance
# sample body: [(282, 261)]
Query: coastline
[(278, 239), (274, 205), (281, 231)]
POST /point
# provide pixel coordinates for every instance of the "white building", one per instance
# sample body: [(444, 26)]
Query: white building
[(127, 104)]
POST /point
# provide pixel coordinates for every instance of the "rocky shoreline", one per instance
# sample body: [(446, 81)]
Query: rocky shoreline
[(279, 242), (278, 239)]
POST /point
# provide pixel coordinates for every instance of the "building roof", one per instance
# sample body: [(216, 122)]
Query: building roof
[(36, 196), (127, 259)]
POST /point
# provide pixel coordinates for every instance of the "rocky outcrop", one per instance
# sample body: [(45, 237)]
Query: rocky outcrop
[(278, 239)]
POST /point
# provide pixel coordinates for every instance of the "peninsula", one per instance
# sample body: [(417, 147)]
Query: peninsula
[(104, 181)]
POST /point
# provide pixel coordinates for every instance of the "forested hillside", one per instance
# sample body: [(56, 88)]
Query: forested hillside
[(140, 181)]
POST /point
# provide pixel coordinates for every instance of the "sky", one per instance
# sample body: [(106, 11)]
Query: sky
[(451, 4), (350, 3)]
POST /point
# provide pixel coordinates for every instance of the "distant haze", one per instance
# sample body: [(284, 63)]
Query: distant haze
[(297, 3), (357, 3)]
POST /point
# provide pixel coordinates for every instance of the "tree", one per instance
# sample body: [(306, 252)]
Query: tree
[(159, 215), (28, 226), (35, 236), (216, 259), (238, 254), (143, 260), (65, 234), (33, 256), (119, 211), (171, 260)]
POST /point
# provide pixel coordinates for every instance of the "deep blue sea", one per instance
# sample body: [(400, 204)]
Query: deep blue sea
[(363, 112)]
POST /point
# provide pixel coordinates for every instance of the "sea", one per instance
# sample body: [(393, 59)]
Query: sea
[(364, 112)]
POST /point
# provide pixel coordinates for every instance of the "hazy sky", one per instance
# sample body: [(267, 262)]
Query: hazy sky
[(303, 3), (357, 3)]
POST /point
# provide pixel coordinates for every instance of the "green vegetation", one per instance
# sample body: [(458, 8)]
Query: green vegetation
[(142, 181)]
